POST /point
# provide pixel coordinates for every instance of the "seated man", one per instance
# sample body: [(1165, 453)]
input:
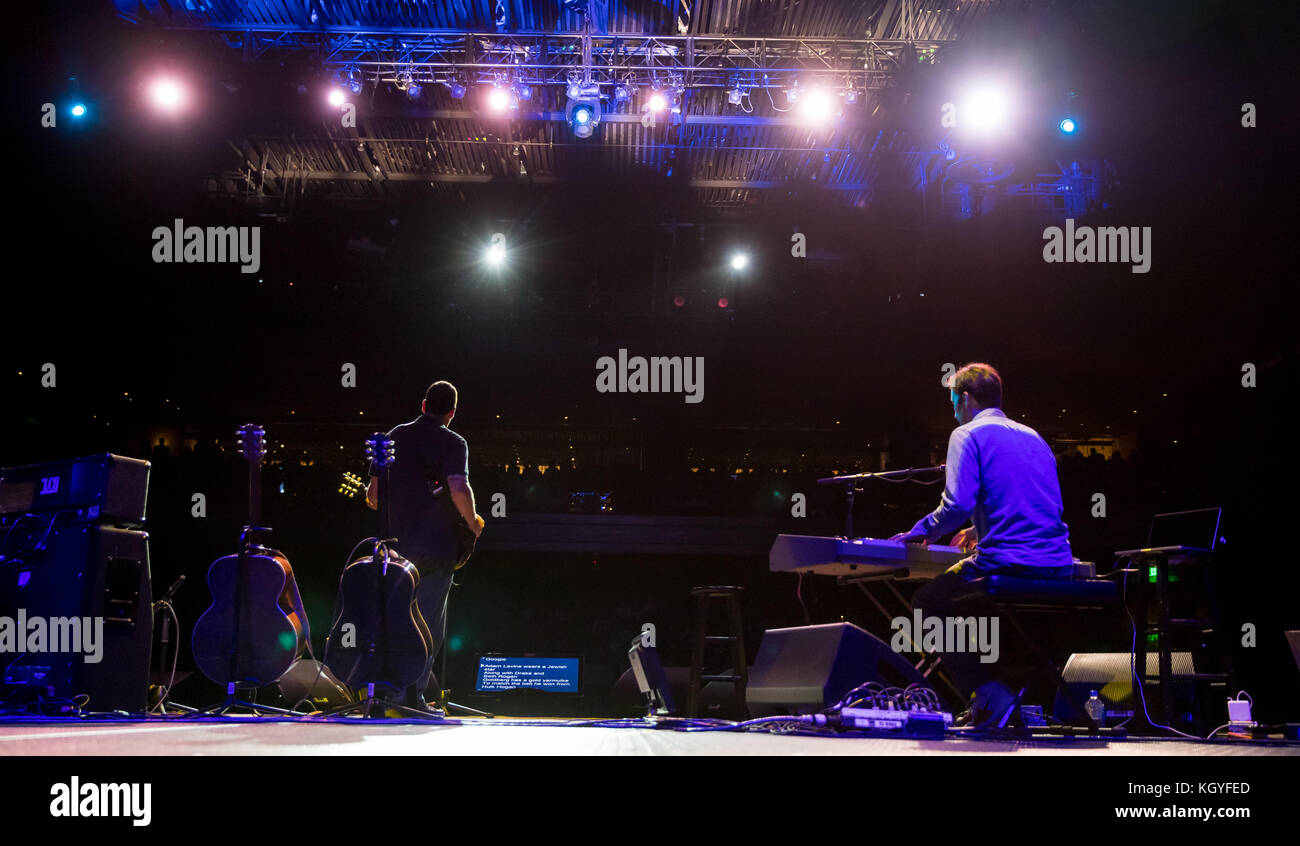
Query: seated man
[(1002, 476)]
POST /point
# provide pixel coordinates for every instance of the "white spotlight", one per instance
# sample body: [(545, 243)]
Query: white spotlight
[(816, 105), (495, 255), (985, 109), (739, 261), (337, 97), (167, 94)]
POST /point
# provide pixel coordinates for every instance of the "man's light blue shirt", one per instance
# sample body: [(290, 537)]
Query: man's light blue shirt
[(1002, 476)]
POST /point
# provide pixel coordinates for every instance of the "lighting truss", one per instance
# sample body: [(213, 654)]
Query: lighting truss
[(551, 58)]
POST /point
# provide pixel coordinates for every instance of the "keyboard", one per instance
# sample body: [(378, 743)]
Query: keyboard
[(860, 557)]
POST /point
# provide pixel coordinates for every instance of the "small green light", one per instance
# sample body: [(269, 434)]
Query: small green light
[(287, 641), (455, 643)]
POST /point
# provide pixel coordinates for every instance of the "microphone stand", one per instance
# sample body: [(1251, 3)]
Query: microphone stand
[(851, 488)]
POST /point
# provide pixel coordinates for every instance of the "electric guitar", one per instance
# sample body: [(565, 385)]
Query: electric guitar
[(256, 625), (352, 487)]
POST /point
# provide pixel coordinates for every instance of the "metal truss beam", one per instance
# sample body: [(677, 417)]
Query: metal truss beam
[(432, 56)]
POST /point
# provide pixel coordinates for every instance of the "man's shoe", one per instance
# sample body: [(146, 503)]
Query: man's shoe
[(418, 703)]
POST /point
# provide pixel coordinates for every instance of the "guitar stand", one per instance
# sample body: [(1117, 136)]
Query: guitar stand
[(230, 701), (374, 708)]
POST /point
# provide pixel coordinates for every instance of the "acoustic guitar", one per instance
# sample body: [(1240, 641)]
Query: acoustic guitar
[(379, 636), (256, 625)]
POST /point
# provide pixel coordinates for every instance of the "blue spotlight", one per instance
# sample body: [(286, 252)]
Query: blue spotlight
[(458, 89), (79, 110), (1068, 126), (583, 116)]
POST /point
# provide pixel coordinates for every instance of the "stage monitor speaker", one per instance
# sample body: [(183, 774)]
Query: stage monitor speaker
[(310, 680), (806, 669), (1111, 675), (79, 615)]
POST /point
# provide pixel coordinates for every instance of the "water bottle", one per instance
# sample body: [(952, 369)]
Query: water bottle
[(1095, 708)]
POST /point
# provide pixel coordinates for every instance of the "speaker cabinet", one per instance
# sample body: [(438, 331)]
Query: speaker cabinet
[(1111, 675), (803, 670), (86, 593)]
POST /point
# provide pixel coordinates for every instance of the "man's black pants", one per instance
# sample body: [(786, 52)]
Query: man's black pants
[(950, 595), (431, 597)]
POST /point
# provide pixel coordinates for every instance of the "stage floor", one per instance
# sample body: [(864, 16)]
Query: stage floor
[(245, 736)]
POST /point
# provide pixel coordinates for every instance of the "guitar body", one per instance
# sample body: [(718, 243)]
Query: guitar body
[(256, 625), (380, 636), (466, 540), (254, 628)]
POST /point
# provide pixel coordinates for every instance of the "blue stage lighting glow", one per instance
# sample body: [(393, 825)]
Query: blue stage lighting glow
[(78, 110), (1068, 126)]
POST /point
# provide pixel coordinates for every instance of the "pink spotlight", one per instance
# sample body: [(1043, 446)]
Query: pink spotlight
[(336, 97), (167, 94), (498, 100), (658, 102)]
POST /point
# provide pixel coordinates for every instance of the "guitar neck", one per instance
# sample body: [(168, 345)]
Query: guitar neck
[(254, 492)]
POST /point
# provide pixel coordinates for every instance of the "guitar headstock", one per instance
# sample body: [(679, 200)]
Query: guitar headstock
[(351, 485), (381, 449), (252, 442)]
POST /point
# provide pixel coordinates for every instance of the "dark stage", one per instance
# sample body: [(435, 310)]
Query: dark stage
[(740, 379)]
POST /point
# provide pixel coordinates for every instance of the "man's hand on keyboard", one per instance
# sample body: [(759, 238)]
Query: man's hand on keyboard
[(907, 537), (965, 539)]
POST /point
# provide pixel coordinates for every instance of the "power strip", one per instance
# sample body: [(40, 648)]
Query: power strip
[(881, 718)]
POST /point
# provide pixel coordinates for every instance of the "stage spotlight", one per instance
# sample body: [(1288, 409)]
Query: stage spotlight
[(622, 91), (1068, 126), (413, 90), (850, 97), (167, 94), (986, 109), (816, 105), (583, 115), (521, 91), (658, 101), (498, 99), (78, 110), (354, 82), (495, 255), (336, 97), (723, 302), (739, 261), (457, 89), (574, 91)]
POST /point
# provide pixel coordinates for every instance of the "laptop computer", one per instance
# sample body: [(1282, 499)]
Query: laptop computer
[(1194, 532)]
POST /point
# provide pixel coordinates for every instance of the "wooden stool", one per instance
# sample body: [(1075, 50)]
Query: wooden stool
[(739, 675)]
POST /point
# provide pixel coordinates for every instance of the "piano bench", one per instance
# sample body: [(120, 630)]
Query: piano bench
[(1047, 593), (1010, 594)]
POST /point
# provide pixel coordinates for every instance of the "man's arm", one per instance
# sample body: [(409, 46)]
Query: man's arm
[(463, 497), (961, 485), (372, 493)]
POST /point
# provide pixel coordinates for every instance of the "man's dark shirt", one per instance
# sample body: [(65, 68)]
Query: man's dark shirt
[(425, 451)]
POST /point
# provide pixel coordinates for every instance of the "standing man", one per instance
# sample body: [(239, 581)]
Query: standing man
[(1002, 476), (428, 454)]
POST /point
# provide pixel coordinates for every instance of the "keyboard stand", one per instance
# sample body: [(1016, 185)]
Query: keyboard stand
[(927, 666)]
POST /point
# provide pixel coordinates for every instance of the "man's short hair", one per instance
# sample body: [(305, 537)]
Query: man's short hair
[(440, 399), (981, 381)]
